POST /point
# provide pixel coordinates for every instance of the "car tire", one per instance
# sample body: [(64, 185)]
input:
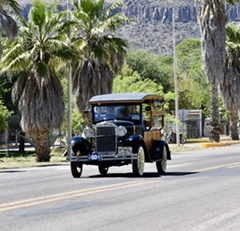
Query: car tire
[(76, 169), (103, 169), (162, 164), (138, 164)]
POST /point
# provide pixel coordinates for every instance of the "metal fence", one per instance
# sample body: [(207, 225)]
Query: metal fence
[(197, 128)]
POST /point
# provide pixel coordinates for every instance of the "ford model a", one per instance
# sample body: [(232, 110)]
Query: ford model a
[(125, 129)]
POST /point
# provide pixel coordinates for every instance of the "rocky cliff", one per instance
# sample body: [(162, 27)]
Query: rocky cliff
[(151, 26), (183, 13)]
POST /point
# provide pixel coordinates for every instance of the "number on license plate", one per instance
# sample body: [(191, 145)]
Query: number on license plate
[(94, 157)]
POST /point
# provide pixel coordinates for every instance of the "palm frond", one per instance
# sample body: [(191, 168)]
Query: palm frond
[(54, 26), (12, 59), (38, 12), (112, 8), (38, 112), (12, 4), (19, 86), (9, 26)]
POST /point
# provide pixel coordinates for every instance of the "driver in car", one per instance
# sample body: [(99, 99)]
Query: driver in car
[(110, 112)]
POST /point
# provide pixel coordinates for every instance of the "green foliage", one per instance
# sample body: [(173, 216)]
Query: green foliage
[(5, 91), (78, 122), (152, 67), (4, 114), (193, 86), (131, 81)]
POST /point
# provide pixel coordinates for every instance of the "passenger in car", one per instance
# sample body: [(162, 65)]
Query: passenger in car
[(110, 112), (123, 113), (134, 114)]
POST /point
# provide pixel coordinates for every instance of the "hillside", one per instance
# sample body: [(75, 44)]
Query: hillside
[(151, 28)]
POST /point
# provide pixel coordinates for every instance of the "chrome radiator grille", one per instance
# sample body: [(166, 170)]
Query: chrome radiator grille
[(105, 139)]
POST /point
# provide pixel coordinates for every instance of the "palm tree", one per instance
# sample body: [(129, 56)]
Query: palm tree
[(230, 87), (7, 24), (41, 43), (103, 53), (213, 19)]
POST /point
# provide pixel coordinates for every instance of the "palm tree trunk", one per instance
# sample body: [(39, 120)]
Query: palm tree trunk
[(214, 135), (233, 124), (42, 147)]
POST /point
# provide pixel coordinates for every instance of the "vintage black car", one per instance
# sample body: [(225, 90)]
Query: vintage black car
[(125, 129)]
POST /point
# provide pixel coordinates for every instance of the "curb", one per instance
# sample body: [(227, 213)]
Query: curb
[(220, 144)]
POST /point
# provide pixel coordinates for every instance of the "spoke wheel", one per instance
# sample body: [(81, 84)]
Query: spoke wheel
[(162, 164), (138, 164), (102, 170), (76, 169)]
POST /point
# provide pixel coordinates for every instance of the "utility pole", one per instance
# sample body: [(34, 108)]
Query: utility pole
[(69, 72), (175, 77)]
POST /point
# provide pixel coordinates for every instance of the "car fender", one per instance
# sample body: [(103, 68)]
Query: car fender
[(133, 140), (80, 143), (163, 143)]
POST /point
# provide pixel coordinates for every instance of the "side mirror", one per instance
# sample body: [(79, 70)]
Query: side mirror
[(87, 110), (148, 108)]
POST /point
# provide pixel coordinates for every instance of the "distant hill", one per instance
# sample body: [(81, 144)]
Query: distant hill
[(151, 28)]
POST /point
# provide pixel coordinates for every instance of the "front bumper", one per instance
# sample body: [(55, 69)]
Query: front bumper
[(123, 154)]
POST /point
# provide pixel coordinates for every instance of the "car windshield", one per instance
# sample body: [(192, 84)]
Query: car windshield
[(111, 112)]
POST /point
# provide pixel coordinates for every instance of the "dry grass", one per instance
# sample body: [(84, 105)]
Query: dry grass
[(176, 149), (28, 160)]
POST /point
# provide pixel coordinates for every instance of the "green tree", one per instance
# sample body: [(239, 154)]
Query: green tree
[(4, 114), (7, 24), (131, 81), (8, 27), (103, 53), (6, 106), (193, 87), (213, 19), (38, 90), (230, 87), (156, 68)]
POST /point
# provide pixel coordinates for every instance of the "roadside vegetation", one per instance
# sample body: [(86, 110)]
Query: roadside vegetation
[(14, 159)]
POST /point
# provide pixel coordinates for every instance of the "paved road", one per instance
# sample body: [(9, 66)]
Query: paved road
[(199, 192)]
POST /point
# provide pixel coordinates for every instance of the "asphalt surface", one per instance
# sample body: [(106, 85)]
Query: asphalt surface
[(200, 191)]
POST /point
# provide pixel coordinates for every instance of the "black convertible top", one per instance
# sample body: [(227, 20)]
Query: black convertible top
[(128, 97)]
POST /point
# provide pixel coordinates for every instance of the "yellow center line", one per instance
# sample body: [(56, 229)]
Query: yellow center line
[(220, 166), (234, 166), (67, 195)]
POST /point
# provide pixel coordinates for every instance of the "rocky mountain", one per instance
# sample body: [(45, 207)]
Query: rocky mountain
[(152, 22)]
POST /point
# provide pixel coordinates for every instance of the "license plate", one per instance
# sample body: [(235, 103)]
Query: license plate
[(94, 157)]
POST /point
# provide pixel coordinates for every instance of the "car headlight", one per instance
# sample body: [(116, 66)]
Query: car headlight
[(121, 131), (88, 133)]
